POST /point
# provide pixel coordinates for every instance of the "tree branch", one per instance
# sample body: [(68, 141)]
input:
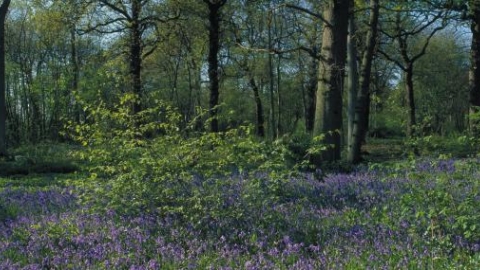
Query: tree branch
[(309, 12), (425, 45), (395, 61), (117, 9)]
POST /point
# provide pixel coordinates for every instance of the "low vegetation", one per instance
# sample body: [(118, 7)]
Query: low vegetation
[(228, 201)]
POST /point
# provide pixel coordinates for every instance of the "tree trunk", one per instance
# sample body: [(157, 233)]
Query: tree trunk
[(213, 49), (352, 84), (474, 74), (360, 124), (77, 109), (3, 108), (270, 80), (410, 101), (279, 98), (136, 57), (311, 94), (260, 121), (328, 115)]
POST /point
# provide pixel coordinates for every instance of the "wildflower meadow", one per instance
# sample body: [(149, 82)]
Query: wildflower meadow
[(411, 214)]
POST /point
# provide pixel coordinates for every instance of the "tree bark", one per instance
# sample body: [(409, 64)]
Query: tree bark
[(213, 49), (410, 101), (271, 79), (360, 123), (260, 120), (279, 97), (3, 108), (352, 82), (77, 109), (474, 74), (328, 115), (311, 94), (136, 56)]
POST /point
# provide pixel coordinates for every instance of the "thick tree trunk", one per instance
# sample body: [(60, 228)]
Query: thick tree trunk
[(136, 57), (328, 115), (3, 108), (214, 48), (474, 74), (362, 106)]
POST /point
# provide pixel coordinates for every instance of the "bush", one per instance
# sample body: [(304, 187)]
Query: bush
[(171, 173)]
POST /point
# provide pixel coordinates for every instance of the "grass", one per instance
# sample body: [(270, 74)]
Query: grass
[(413, 214)]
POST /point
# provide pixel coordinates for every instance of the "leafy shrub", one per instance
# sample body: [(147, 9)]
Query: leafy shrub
[(440, 204), (434, 145), (296, 148), (191, 177)]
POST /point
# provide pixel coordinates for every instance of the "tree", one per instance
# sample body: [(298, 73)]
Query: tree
[(309, 42), (328, 115), (441, 78), (352, 75), (474, 74), (406, 25), (214, 16), (359, 125), (137, 20), (3, 108)]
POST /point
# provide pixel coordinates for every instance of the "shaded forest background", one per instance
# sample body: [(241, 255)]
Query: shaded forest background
[(337, 71)]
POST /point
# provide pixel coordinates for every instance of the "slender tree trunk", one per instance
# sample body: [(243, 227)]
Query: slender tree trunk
[(260, 120), (362, 107), (214, 48), (32, 102), (279, 97), (190, 100), (352, 78), (77, 110), (328, 115), (136, 57), (312, 84), (3, 108), (474, 74), (410, 101), (311, 93), (271, 80)]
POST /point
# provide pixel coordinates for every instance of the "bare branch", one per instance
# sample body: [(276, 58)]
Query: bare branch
[(391, 59), (316, 15), (98, 27), (425, 45), (117, 9), (280, 52)]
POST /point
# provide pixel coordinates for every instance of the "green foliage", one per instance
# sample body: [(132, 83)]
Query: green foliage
[(435, 145), (441, 86), (7, 212), (438, 206), (299, 148), (138, 163), (39, 159)]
